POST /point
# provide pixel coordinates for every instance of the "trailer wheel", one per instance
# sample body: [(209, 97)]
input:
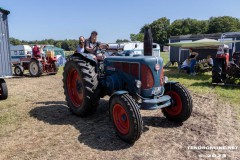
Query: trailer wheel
[(181, 107), (35, 68), (80, 85), (18, 70), (3, 90), (126, 117)]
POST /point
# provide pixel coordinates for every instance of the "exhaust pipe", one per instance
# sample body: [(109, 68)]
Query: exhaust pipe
[(148, 42)]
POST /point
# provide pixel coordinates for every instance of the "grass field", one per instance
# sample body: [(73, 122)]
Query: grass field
[(201, 84)]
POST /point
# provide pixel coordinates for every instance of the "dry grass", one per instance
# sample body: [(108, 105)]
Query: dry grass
[(36, 124)]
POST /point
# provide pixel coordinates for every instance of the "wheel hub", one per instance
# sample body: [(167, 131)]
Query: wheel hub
[(79, 86), (173, 103), (124, 118), (18, 71)]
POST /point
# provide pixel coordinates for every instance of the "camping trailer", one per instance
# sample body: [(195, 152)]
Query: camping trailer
[(178, 54), (137, 47), (134, 47), (20, 51), (5, 57)]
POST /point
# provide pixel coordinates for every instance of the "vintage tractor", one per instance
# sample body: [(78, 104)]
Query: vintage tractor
[(132, 82), (233, 67), (225, 72), (37, 65), (220, 66)]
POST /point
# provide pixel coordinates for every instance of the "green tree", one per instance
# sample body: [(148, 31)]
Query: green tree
[(137, 37), (121, 40), (58, 44), (188, 26), (146, 26), (223, 24), (14, 41), (160, 30)]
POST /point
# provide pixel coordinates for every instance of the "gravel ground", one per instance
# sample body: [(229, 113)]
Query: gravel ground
[(36, 124)]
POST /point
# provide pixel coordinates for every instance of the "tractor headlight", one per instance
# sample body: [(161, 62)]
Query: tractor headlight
[(138, 84), (165, 79)]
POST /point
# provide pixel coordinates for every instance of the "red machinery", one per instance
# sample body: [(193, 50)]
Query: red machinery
[(38, 65)]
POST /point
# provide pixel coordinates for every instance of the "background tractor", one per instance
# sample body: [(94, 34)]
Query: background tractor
[(132, 82), (225, 72), (38, 65)]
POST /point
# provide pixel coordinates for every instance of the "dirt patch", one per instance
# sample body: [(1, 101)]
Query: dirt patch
[(36, 124)]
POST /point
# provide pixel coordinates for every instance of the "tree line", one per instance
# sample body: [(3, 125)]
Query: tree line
[(68, 44), (161, 31)]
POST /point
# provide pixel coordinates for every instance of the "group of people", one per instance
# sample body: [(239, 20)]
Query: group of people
[(190, 62), (90, 45)]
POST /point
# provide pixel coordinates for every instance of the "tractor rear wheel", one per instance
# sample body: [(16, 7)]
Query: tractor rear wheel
[(35, 68), (18, 70), (3, 90), (80, 85), (181, 107), (126, 117)]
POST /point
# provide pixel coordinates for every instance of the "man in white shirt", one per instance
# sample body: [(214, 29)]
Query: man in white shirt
[(209, 60), (80, 46), (186, 65)]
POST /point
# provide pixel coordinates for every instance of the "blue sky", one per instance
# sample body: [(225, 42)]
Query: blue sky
[(62, 19)]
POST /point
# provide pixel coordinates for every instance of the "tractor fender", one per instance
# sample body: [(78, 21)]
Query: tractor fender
[(83, 56), (117, 93), (169, 83)]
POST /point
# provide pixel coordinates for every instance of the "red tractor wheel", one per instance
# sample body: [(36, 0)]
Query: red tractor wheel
[(181, 107), (126, 117), (3, 90), (35, 68), (80, 85)]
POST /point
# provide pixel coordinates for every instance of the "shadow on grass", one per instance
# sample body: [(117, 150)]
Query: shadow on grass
[(159, 122), (173, 73), (27, 75), (202, 84), (97, 130)]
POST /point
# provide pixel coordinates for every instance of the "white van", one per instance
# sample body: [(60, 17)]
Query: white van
[(19, 51), (137, 48)]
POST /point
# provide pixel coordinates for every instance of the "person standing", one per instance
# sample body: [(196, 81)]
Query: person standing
[(193, 61)]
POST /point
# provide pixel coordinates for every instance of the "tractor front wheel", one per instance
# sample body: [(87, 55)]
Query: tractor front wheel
[(18, 70), (3, 90), (181, 107), (54, 68), (126, 117), (35, 68), (80, 85)]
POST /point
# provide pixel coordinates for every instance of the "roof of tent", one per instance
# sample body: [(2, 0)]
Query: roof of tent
[(202, 43), (52, 48), (201, 36), (4, 11)]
